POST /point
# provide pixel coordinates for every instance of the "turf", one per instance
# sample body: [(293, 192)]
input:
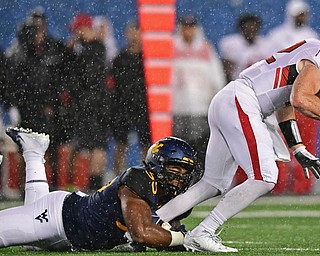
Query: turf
[(285, 229)]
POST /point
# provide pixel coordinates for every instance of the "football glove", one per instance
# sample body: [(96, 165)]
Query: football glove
[(128, 237), (166, 226), (136, 247), (307, 161), (181, 228)]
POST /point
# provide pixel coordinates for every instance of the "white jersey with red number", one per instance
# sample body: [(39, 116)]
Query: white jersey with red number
[(272, 78)]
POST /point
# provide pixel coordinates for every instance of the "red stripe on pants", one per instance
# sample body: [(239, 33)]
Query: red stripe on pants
[(251, 140)]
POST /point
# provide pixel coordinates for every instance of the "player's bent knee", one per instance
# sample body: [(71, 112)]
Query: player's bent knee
[(266, 186), (261, 187), (269, 186)]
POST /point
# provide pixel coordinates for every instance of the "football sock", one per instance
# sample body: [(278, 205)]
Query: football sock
[(36, 180), (211, 223), (198, 193), (242, 196), (233, 202)]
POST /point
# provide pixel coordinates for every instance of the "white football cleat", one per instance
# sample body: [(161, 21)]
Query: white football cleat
[(28, 141), (208, 242)]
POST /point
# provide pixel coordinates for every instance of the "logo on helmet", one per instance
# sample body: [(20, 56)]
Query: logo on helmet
[(156, 147)]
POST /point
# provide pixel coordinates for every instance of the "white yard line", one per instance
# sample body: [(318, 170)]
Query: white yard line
[(303, 200), (265, 214), (269, 248), (269, 200), (281, 248)]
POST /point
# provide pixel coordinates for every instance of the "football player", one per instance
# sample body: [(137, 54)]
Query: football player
[(289, 80), (118, 212)]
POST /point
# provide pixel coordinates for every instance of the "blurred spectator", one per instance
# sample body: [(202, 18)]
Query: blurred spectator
[(198, 76), (104, 32), (9, 116), (240, 50), (89, 98), (295, 28), (130, 102), (40, 71)]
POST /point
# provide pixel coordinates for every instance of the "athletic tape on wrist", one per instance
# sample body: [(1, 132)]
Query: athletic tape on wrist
[(298, 150), (177, 238), (291, 132)]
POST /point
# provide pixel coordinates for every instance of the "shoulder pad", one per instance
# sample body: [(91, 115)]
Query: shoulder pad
[(142, 182)]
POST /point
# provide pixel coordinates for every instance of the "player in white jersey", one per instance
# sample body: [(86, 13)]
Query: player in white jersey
[(288, 80)]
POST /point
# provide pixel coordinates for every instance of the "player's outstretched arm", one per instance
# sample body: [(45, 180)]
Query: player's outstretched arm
[(138, 219), (306, 90)]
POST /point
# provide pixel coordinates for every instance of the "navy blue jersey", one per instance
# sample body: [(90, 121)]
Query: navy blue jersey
[(95, 221)]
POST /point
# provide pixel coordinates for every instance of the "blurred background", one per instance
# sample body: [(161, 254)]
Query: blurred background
[(216, 16), (82, 72)]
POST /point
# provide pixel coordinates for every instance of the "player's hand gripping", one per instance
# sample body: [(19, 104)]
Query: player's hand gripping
[(308, 162)]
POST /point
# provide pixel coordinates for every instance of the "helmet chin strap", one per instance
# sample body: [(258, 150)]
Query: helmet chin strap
[(164, 178), (171, 190)]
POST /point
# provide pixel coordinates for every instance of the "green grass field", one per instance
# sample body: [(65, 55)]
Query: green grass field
[(271, 226)]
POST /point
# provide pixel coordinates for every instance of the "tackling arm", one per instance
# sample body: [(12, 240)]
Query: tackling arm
[(137, 216), (306, 89)]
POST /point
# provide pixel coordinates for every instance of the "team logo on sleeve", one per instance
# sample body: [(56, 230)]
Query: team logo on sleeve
[(43, 217)]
